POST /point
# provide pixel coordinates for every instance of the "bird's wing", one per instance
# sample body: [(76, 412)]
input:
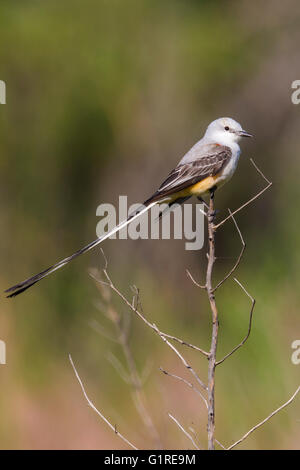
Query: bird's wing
[(207, 163)]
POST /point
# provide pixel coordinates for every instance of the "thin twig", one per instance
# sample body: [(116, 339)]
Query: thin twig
[(142, 316), (184, 343), (265, 420), (189, 384), (184, 431), (183, 360), (153, 327), (221, 445), (197, 440), (249, 327), (193, 280), (250, 200), (239, 257), (114, 428)]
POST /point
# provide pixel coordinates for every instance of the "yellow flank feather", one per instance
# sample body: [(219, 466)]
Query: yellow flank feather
[(197, 189), (204, 185)]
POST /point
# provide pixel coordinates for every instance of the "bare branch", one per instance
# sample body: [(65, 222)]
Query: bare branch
[(155, 328), (185, 363), (221, 445), (98, 280), (105, 259), (215, 327), (195, 436), (265, 420), (189, 384), (185, 343), (269, 184), (239, 257), (114, 428), (249, 328), (134, 308), (184, 431), (193, 280)]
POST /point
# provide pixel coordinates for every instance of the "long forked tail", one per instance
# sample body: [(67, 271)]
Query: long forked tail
[(19, 288)]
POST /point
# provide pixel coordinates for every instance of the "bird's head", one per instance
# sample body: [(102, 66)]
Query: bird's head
[(225, 131)]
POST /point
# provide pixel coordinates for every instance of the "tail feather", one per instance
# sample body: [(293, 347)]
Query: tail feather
[(179, 201), (22, 286)]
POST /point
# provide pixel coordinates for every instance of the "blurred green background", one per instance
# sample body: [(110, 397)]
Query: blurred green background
[(103, 98)]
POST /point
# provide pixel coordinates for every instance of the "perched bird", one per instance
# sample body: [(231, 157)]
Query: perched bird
[(205, 167)]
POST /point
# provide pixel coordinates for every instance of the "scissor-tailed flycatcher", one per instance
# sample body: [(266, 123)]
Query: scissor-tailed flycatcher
[(208, 165)]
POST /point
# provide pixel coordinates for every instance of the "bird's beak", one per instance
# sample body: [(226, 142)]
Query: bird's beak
[(243, 133)]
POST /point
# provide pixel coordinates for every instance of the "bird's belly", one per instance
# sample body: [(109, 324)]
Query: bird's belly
[(204, 186)]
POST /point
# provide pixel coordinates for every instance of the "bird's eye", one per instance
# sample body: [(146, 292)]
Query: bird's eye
[(226, 128)]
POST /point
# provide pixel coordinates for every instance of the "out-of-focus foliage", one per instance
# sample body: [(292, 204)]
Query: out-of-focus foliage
[(103, 98)]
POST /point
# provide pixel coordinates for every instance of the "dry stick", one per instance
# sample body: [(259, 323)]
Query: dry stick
[(250, 200), (184, 431), (210, 291), (152, 326), (215, 327), (179, 340), (131, 306), (195, 436), (189, 384), (265, 420), (221, 445), (239, 257), (96, 410), (249, 327), (184, 343), (193, 280)]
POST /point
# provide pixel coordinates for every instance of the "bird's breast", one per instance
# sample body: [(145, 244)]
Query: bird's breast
[(230, 168)]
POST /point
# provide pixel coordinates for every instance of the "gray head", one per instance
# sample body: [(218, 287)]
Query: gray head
[(225, 131)]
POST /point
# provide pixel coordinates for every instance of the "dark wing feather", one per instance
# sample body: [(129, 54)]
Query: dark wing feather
[(187, 174)]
